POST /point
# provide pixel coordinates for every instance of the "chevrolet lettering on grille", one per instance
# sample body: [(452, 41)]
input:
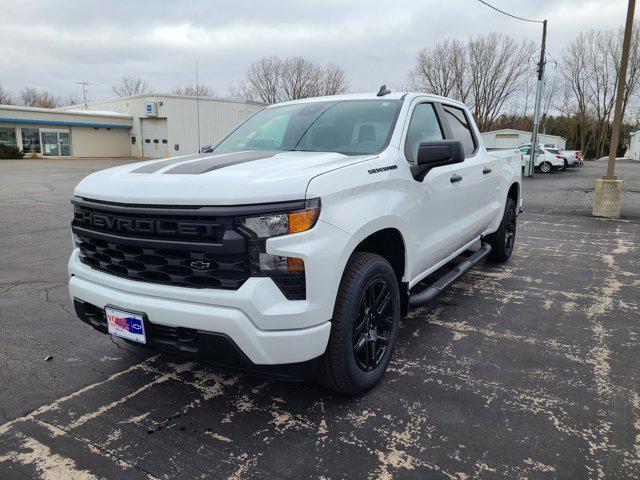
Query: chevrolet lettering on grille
[(116, 223)]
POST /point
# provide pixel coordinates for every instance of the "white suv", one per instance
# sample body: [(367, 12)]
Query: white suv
[(547, 159)]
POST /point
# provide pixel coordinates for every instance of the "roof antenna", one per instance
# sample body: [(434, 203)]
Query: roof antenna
[(383, 91)]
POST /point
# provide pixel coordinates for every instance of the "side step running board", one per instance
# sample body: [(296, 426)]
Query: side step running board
[(425, 296)]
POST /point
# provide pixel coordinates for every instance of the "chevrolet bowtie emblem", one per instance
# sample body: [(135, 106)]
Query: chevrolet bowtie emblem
[(200, 265)]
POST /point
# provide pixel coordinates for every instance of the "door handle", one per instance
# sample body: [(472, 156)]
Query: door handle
[(486, 170), (455, 178)]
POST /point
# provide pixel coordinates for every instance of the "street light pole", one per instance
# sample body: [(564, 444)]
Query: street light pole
[(622, 79), (538, 103)]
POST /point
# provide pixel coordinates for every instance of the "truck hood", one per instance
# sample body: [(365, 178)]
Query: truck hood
[(228, 179)]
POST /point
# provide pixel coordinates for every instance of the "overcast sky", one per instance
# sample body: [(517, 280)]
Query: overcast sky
[(52, 44)]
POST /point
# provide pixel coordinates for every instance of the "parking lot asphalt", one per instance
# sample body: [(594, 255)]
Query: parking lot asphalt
[(526, 370)]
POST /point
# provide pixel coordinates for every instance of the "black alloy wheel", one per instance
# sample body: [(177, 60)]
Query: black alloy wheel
[(510, 231), (373, 325)]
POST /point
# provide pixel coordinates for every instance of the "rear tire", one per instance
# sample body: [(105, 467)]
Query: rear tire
[(503, 240), (546, 167), (364, 327)]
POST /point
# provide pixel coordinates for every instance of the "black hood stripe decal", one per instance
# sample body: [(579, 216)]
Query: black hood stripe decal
[(219, 161), (155, 166)]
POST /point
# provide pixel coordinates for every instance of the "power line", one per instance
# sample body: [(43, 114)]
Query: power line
[(509, 14)]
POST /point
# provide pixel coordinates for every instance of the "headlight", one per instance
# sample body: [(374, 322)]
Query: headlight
[(274, 225), (287, 272)]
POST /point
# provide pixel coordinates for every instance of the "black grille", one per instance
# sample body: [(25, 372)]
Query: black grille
[(190, 251)]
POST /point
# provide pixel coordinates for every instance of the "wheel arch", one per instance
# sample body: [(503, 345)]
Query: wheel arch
[(514, 193), (389, 244)]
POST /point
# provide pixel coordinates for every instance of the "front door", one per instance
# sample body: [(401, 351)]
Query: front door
[(55, 143), (432, 215)]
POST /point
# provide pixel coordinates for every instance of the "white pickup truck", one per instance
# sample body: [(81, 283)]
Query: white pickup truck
[(295, 247)]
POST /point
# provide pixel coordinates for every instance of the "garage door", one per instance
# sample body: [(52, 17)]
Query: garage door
[(506, 140), (154, 138)]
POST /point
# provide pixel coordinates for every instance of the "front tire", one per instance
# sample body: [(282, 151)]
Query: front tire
[(503, 240), (364, 327)]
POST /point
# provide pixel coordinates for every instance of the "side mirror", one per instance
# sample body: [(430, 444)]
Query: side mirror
[(439, 153)]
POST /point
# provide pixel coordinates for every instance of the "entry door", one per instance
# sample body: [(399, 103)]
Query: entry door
[(154, 138), (55, 143)]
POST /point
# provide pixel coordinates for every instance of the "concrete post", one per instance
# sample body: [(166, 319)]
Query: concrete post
[(608, 198)]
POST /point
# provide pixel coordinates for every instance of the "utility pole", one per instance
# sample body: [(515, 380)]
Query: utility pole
[(622, 79), (538, 103), (607, 197)]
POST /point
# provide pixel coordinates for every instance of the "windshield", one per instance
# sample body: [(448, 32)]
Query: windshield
[(351, 127)]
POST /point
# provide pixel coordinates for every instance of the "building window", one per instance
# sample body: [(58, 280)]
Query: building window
[(30, 140), (8, 136)]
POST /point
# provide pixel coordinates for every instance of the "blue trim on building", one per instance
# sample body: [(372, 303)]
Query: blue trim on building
[(75, 124)]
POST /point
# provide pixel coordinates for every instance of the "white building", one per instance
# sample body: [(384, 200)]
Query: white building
[(509, 137), (52, 133), (167, 125), (634, 146)]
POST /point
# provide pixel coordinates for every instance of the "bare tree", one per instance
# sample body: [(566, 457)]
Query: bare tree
[(574, 69), (274, 79), (441, 70), (333, 81), (31, 97), (497, 66), (71, 99), (486, 73), (131, 85), (192, 91), (549, 97), (6, 98), (299, 78), (263, 80)]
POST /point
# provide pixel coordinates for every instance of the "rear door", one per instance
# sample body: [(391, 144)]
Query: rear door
[(476, 192)]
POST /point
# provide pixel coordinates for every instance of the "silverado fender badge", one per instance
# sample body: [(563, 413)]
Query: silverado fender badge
[(382, 169)]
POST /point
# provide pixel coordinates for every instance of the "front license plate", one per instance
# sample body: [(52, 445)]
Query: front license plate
[(125, 324)]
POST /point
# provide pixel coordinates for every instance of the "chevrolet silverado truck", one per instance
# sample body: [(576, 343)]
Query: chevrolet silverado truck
[(295, 246)]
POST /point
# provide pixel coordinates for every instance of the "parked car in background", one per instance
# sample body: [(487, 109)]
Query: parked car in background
[(574, 157), (547, 159), (524, 146)]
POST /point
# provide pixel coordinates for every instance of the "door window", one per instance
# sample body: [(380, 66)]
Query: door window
[(50, 144), (30, 140), (423, 127), (8, 136), (460, 128)]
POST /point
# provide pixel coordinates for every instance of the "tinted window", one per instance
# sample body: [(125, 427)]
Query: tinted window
[(554, 151), (460, 128), (351, 127), (423, 127)]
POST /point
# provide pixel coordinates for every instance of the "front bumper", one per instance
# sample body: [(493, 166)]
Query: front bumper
[(259, 346), (214, 348), (257, 318)]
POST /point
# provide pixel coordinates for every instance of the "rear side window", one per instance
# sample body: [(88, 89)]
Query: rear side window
[(460, 128), (423, 127)]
